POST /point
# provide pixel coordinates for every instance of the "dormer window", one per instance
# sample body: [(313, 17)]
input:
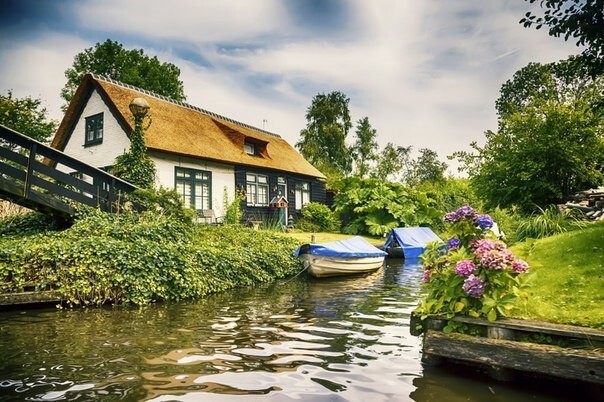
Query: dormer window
[(250, 148), (94, 130)]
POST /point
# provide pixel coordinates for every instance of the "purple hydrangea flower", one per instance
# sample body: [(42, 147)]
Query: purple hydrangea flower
[(474, 286), (520, 266), (451, 217), (453, 243), (464, 267), (466, 212), (426, 276), (484, 222)]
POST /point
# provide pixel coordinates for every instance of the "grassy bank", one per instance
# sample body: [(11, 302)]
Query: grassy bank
[(568, 283)]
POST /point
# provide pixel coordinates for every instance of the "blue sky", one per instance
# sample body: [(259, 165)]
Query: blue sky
[(426, 73)]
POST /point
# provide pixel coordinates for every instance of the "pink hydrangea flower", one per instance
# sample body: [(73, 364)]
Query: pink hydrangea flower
[(464, 267), (426, 276), (520, 266)]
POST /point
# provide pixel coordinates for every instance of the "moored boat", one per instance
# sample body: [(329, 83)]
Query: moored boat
[(409, 242), (344, 257)]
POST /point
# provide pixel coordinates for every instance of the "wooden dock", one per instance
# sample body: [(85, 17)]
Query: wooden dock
[(507, 346)]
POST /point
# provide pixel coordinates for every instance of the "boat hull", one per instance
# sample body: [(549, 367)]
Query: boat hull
[(324, 266)]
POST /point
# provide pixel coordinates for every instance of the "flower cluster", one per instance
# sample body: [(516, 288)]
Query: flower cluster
[(474, 286), (475, 275), (453, 243), (462, 214)]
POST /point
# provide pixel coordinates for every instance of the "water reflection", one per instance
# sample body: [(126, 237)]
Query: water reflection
[(302, 339)]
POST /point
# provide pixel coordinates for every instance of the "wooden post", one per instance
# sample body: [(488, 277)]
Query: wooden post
[(497, 372), (30, 170)]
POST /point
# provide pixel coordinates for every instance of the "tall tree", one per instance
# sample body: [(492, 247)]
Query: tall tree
[(394, 163), (563, 81), (582, 20), (27, 116), (427, 168), (133, 67), (550, 140), (323, 141), (364, 150)]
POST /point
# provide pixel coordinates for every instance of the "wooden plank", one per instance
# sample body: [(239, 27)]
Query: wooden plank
[(59, 191), (10, 299), (67, 179), (572, 331), (13, 172), (573, 364), (50, 204), (13, 156)]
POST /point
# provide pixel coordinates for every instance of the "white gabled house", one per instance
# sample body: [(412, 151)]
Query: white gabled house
[(196, 152)]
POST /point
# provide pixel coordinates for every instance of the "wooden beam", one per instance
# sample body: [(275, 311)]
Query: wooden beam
[(573, 364)]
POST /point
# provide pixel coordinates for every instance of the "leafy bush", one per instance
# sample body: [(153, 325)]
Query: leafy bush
[(474, 275), (142, 257), (371, 206), (548, 222), (233, 209), (27, 224), (317, 217)]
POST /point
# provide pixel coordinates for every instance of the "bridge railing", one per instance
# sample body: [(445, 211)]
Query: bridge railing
[(40, 177)]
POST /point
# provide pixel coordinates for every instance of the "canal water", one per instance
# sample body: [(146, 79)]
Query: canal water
[(294, 340)]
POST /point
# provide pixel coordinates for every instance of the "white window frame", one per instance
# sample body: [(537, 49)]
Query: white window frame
[(256, 186)]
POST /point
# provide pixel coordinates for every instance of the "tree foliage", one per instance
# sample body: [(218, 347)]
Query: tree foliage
[(427, 168), (582, 20), (27, 116), (323, 141), (133, 67), (373, 206), (550, 141), (394, 163), (364, 150)]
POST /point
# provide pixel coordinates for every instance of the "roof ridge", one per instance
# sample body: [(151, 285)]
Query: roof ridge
[(180, 103)]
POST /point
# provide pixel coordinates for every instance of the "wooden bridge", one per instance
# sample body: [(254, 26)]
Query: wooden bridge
[(42, 178)]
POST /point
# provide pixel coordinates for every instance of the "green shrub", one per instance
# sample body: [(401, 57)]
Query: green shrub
[(233, 209), (317, 217), (547, 222), (27, 224), (142, 257)]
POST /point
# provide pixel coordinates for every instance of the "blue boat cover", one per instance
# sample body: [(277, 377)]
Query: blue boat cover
[(354, 247), (413, 240)]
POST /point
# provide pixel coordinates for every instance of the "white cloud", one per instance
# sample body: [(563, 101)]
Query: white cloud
[(425, 73), (185, 20), (36, 68)]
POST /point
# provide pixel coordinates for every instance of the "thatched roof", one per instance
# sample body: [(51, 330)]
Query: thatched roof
[(183, 129)]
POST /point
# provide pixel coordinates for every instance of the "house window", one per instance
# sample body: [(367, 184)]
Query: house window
[(302, 195), (249, 148), (94, 129), (256, 190), (194, 186)]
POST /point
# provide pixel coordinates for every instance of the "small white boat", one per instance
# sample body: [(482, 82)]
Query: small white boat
[(344, 257)]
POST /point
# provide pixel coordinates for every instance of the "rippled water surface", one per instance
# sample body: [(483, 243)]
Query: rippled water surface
[(302, 339)]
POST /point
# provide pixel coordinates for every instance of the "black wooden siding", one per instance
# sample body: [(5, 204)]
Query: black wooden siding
[(317, 191)]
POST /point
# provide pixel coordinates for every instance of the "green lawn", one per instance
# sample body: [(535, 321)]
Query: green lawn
[(568, 282)]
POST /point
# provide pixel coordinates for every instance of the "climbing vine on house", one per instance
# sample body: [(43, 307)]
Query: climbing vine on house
[(135, 165)]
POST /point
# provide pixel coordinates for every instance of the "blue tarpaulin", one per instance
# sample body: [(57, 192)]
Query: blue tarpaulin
[(413, 240), (354, 247)]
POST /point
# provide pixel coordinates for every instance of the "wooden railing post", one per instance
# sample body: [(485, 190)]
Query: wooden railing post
[(30, 170)]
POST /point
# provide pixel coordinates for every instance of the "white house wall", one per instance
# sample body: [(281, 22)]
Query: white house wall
[(115, 141), (223, 176)]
